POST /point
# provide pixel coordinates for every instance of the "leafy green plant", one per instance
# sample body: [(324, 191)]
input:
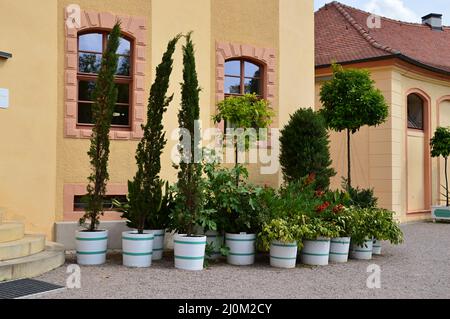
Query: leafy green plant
[(242, 113), (334, 210), (315, 227), (189, 196), (285, 230), (440, 146), (351, 101), (105, 97), (305, 148), (360, 197), (147, 207)]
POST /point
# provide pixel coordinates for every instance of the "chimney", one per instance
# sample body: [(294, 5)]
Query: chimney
[(434, 20)]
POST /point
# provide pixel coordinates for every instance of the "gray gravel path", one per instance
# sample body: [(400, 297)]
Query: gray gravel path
[(420, 268)]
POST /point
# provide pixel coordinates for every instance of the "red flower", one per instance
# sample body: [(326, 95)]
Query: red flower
[(322, 207), (311, 178), (319, 193), (338, 208)]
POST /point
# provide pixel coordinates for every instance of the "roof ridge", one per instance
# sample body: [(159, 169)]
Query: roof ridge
[(361, 30)]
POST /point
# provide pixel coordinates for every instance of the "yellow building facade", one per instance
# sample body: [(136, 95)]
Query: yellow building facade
[(44, 164)]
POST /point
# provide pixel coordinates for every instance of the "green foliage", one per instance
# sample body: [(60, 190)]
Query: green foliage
[(351, 101), (362, 198), (315, 227), (285, 230), (376, 223), (305, 148), (105, 97), (237, 206), (189, 197), (440, 146), (147, 208)]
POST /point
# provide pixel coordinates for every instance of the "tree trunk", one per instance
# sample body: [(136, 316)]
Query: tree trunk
[(349, 172), (236, 161)]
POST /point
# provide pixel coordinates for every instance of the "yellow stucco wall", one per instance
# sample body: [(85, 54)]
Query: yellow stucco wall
[(27, 128)]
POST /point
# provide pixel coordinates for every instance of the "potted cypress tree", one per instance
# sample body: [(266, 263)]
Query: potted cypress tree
[(147, 207), (91, 244), (440, 146), (189, 248)]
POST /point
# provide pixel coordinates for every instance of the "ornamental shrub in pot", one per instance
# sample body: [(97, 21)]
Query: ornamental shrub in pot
[(440, 147), (386, 228), (92, 243)]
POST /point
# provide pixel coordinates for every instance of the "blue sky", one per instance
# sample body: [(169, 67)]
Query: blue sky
[(405, 10)]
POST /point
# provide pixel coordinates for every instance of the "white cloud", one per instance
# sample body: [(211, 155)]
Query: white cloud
[(395, 9)]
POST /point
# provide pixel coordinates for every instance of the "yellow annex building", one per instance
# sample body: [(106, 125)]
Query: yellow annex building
[(49, 52)]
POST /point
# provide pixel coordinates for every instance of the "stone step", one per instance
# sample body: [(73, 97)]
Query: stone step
[(11, 232), (34, 265), (28, 245)]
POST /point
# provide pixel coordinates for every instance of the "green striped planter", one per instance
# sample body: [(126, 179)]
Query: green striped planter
[(363, 252), (137, 249), (339, 249), (376, 247), (91, 247), (241, 249), (216, 239), (440, 213), (158, 243), (189, 252), (283, 255), (315, 252)]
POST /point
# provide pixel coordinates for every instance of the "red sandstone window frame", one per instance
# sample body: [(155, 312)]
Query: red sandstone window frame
[(242, 77)]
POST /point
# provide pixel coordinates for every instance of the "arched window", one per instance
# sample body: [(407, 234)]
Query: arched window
[(90, 49), (415, 112), (242, 77)]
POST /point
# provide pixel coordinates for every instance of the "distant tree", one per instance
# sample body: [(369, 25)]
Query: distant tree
[(440, 146), (351, 101), (305, 148), (105, 97)]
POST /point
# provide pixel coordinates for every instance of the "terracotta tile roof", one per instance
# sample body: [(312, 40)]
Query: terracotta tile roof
[(342, 35)]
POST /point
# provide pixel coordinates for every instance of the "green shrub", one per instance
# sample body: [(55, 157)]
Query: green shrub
[(305, 148)]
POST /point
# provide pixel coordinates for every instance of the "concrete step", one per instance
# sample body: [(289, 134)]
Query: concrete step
[(11, 232), (28, 245), (34, 265)]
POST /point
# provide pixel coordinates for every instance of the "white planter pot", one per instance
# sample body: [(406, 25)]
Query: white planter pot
[(339, 249), (363, 252), (158, 243), (283, 255), (440, 212), (217, 241), (242, 249), (189, 252), (316, 252), (91, 247), (137, 249), (376, 247)]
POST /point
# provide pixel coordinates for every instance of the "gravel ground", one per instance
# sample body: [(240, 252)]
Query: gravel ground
[(417, 269)]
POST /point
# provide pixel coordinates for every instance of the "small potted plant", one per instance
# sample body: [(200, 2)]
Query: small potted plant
[(92, 243), (363, 233), (385, 229), (440, 146)]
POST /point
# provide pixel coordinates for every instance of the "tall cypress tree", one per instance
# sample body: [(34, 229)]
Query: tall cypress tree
[(105, 97), (189, 197), (145, 196)]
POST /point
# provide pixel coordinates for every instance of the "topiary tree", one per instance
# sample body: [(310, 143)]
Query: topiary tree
[(189, 197), (305, 148), (147, 206), (105, 97), (242, 113), (440, 146), (351, 101)]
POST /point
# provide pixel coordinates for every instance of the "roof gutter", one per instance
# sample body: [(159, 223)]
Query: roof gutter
[(391, 56)]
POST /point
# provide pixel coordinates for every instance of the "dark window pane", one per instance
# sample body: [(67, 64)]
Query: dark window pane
[(253, 86), (124, 47), (89, 63), (86, 90), (251, 70), (233, 68), (85, 113), (415, 112), (123, 95), (121, 115), (123, 66), (91, 42), (232, 85)]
